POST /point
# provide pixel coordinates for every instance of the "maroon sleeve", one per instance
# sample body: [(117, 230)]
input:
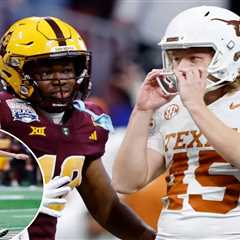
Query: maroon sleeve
[(5, 114)]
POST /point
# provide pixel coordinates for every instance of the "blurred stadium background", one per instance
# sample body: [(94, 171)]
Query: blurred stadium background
[(122, 36)]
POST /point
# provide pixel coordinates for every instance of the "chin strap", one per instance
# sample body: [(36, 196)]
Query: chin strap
[(103, 119)]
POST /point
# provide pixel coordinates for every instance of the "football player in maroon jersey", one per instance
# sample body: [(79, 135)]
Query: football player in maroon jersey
[(46, 69)]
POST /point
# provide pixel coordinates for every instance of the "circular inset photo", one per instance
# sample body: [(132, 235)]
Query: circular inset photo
[(21, 186)]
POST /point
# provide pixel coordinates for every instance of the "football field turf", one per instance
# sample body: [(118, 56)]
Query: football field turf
[(18, 206)]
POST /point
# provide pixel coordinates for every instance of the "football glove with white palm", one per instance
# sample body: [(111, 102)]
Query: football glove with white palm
[(54, 193)]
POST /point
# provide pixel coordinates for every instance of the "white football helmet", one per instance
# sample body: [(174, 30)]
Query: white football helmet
[(207, 26)]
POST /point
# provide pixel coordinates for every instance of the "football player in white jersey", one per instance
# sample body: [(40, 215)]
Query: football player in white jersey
[(186, 121)]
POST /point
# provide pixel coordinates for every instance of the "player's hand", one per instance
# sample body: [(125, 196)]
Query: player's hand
[(54, 193), (22, 156), (150, 96), (192, 86)]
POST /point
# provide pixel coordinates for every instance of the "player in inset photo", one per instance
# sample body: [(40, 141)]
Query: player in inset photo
[(20, 186)]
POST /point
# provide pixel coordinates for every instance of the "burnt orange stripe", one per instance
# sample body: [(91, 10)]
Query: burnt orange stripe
[(58, 32)]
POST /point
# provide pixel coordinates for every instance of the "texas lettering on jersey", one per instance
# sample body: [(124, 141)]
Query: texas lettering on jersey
[(178, 138), (209, 173), (202, 187)]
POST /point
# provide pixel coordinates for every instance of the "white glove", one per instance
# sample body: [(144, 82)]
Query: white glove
[(53, 193)]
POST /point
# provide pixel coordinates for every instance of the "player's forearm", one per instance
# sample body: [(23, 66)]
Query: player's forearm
[(123, 223), (221, 137), (130, 166), (105, 206), (8, 154)]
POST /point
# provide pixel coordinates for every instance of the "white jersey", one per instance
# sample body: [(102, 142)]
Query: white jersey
[(202, 200)]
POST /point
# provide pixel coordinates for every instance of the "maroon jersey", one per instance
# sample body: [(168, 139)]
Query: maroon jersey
[(61, 149)]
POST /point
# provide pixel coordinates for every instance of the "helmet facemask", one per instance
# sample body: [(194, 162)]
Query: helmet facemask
[(58, 103), (169, 82)]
